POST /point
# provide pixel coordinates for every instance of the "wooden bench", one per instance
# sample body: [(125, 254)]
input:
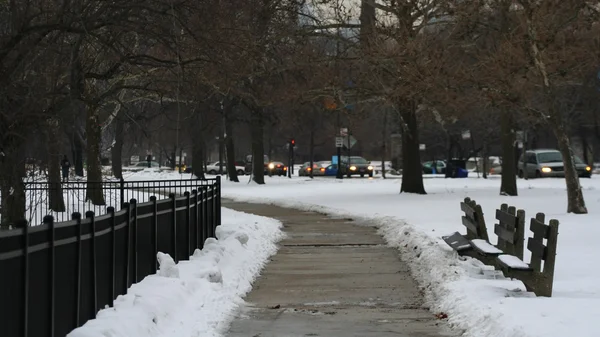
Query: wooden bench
[(510, 231), (535, 279), (475, 243)]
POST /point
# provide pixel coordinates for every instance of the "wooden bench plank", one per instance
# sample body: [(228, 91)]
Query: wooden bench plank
[(485, 247), (504, 234), (539, 228), (457, 242), (469, 211), (512, 262), (537, 248), (506, 218), (471, 226)]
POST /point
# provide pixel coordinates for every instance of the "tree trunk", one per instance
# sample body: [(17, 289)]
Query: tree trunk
[(94, 191), (12, 189), (312, 152), (383, 137), (484, 164), (229, 146), (77, 154), (198, 159), (258, 151), (412, 173), (56, 200), (508, 185), (117, 149), (575, 201)]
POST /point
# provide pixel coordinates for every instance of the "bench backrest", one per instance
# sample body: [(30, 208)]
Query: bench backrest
[(473, 220), (541, 252), (510, 230)]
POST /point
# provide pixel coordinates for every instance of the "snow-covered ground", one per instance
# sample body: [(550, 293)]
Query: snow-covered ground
[(480, 305), (197, 297), (475, 302)]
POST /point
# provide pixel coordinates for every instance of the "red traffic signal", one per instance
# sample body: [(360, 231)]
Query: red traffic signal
[(293, 142)]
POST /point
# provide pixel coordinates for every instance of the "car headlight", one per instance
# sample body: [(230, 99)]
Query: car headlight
[(370, 168), (587, 168), (271, 166), (546, 169), (352, 168)]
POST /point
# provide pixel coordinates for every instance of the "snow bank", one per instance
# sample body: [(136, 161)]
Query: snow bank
[(196, 297), (478, 300)]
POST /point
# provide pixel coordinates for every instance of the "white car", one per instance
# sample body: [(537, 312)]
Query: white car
[(213, 168)]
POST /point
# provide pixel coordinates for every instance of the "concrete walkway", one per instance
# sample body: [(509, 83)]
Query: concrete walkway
[(332, 278)]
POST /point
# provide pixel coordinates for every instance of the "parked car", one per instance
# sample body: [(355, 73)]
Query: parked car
[(305, 169), (331, 170), (355, 165), (434, 167), (276, 168), (213, 168), (549, 163), (322, 165), (318, 168)]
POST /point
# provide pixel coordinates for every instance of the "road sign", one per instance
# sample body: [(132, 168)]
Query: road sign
[(422, 147), (349, 141), (343, 132), (339, 141), (466, 134)]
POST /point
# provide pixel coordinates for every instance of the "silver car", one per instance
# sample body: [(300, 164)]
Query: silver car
[(549, 163)]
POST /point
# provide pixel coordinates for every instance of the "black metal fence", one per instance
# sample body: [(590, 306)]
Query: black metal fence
[(73, 196), (58, 275)]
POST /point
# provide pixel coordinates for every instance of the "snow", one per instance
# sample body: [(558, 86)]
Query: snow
[(476, 298), (485, 247), (197, 297), (513, 261)]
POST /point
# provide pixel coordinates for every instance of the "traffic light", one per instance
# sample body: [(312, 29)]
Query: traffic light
[(293, 142)]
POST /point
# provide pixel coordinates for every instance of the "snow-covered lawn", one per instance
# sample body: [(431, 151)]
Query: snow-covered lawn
[(196, 297), (480, 304)]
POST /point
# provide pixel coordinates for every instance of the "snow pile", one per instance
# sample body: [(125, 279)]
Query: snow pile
[(478, 300), (196, 297)]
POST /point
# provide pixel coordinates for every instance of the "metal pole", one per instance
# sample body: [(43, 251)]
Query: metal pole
[(338, 174)]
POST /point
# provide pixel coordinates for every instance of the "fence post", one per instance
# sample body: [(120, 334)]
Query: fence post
[(174, 231), (154, 231), (133, 204), (90, 215), (111, 212), (122, 192), (77, 217), (26, 280), (127, 209), (187, 221), (49, 220), (195, 194), (218, 206)]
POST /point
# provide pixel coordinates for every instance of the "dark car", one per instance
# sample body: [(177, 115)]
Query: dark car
[(356, 166), (275, 168)]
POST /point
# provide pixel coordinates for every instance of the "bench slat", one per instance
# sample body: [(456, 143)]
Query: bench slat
[(469, 211), (506, 218), (504, 234), (512, 262), (538, 227), (537, 248), (485, 247), (457, 242), (469, 224)]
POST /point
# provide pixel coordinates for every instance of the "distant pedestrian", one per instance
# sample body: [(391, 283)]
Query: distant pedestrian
[(65, 165), (149, 160)]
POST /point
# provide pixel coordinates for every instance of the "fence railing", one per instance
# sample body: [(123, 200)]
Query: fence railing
[(63, 199), (58, 275)]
